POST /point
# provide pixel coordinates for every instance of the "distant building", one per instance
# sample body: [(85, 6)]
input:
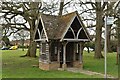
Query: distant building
[(19, 42)]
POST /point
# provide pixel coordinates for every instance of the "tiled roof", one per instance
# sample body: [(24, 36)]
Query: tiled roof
[(56, 26)]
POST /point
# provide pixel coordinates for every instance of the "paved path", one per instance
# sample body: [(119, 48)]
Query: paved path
[(77, 70)]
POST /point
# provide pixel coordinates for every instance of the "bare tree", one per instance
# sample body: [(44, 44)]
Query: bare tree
[(29, 11), (100, 10), (117, 22), (61, 7)]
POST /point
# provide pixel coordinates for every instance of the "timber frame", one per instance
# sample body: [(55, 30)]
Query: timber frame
[(61, 40)]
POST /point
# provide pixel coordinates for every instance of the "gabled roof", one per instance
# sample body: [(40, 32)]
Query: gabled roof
[(55, 27)]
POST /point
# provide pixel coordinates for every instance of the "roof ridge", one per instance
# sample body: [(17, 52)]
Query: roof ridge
[(75, 12), (49, 15), (70, 13)]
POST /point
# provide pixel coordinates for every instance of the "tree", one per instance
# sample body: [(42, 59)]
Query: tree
[(100, 10), (61, 7), (118, 42), (29, 11), (117, 15), (6, 40), (5, 37), (99, 24)]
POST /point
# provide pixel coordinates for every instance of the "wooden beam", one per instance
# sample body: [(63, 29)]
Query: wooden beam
[(75, 40), (39, 33), (75, 51), (80, 52), (49, 53), (40, 51), (72, 31), (79, 32), (44, 28), (43, 40), (64, 55), (58, 56)]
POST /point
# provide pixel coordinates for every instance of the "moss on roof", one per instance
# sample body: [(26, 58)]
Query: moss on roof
[(56, 26)]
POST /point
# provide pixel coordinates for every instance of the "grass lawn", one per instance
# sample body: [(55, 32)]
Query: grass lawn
[(14, 66), (97, 65)]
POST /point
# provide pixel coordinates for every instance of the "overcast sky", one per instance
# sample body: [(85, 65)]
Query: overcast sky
[(69, 8)]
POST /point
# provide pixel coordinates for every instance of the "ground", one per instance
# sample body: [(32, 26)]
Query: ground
[(14, 66)]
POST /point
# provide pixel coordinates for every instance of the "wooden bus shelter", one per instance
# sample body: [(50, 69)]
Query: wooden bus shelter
[(61, 40)]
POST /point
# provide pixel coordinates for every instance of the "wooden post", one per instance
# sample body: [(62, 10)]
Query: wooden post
[(58, 56), (75, 51), (49, 52), (80, 52), (64, 65), (40, 51), (118, 42), (64, 54)]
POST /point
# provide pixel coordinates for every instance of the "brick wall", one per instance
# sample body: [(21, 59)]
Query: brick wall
[(56, 65), (49, 66), (77, 64)]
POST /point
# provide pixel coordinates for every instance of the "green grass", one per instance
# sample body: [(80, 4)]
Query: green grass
[(14, 66), (0, 65), (90, 63)]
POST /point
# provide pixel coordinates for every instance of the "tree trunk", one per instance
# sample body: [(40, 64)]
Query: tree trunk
[(32, 45), (22, 44), (32, 49), (99, 22), (118, 42), (109, 39), (61, 7)]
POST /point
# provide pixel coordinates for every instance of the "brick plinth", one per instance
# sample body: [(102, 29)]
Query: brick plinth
[(49, 66), (64, 66), (77, 64)]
